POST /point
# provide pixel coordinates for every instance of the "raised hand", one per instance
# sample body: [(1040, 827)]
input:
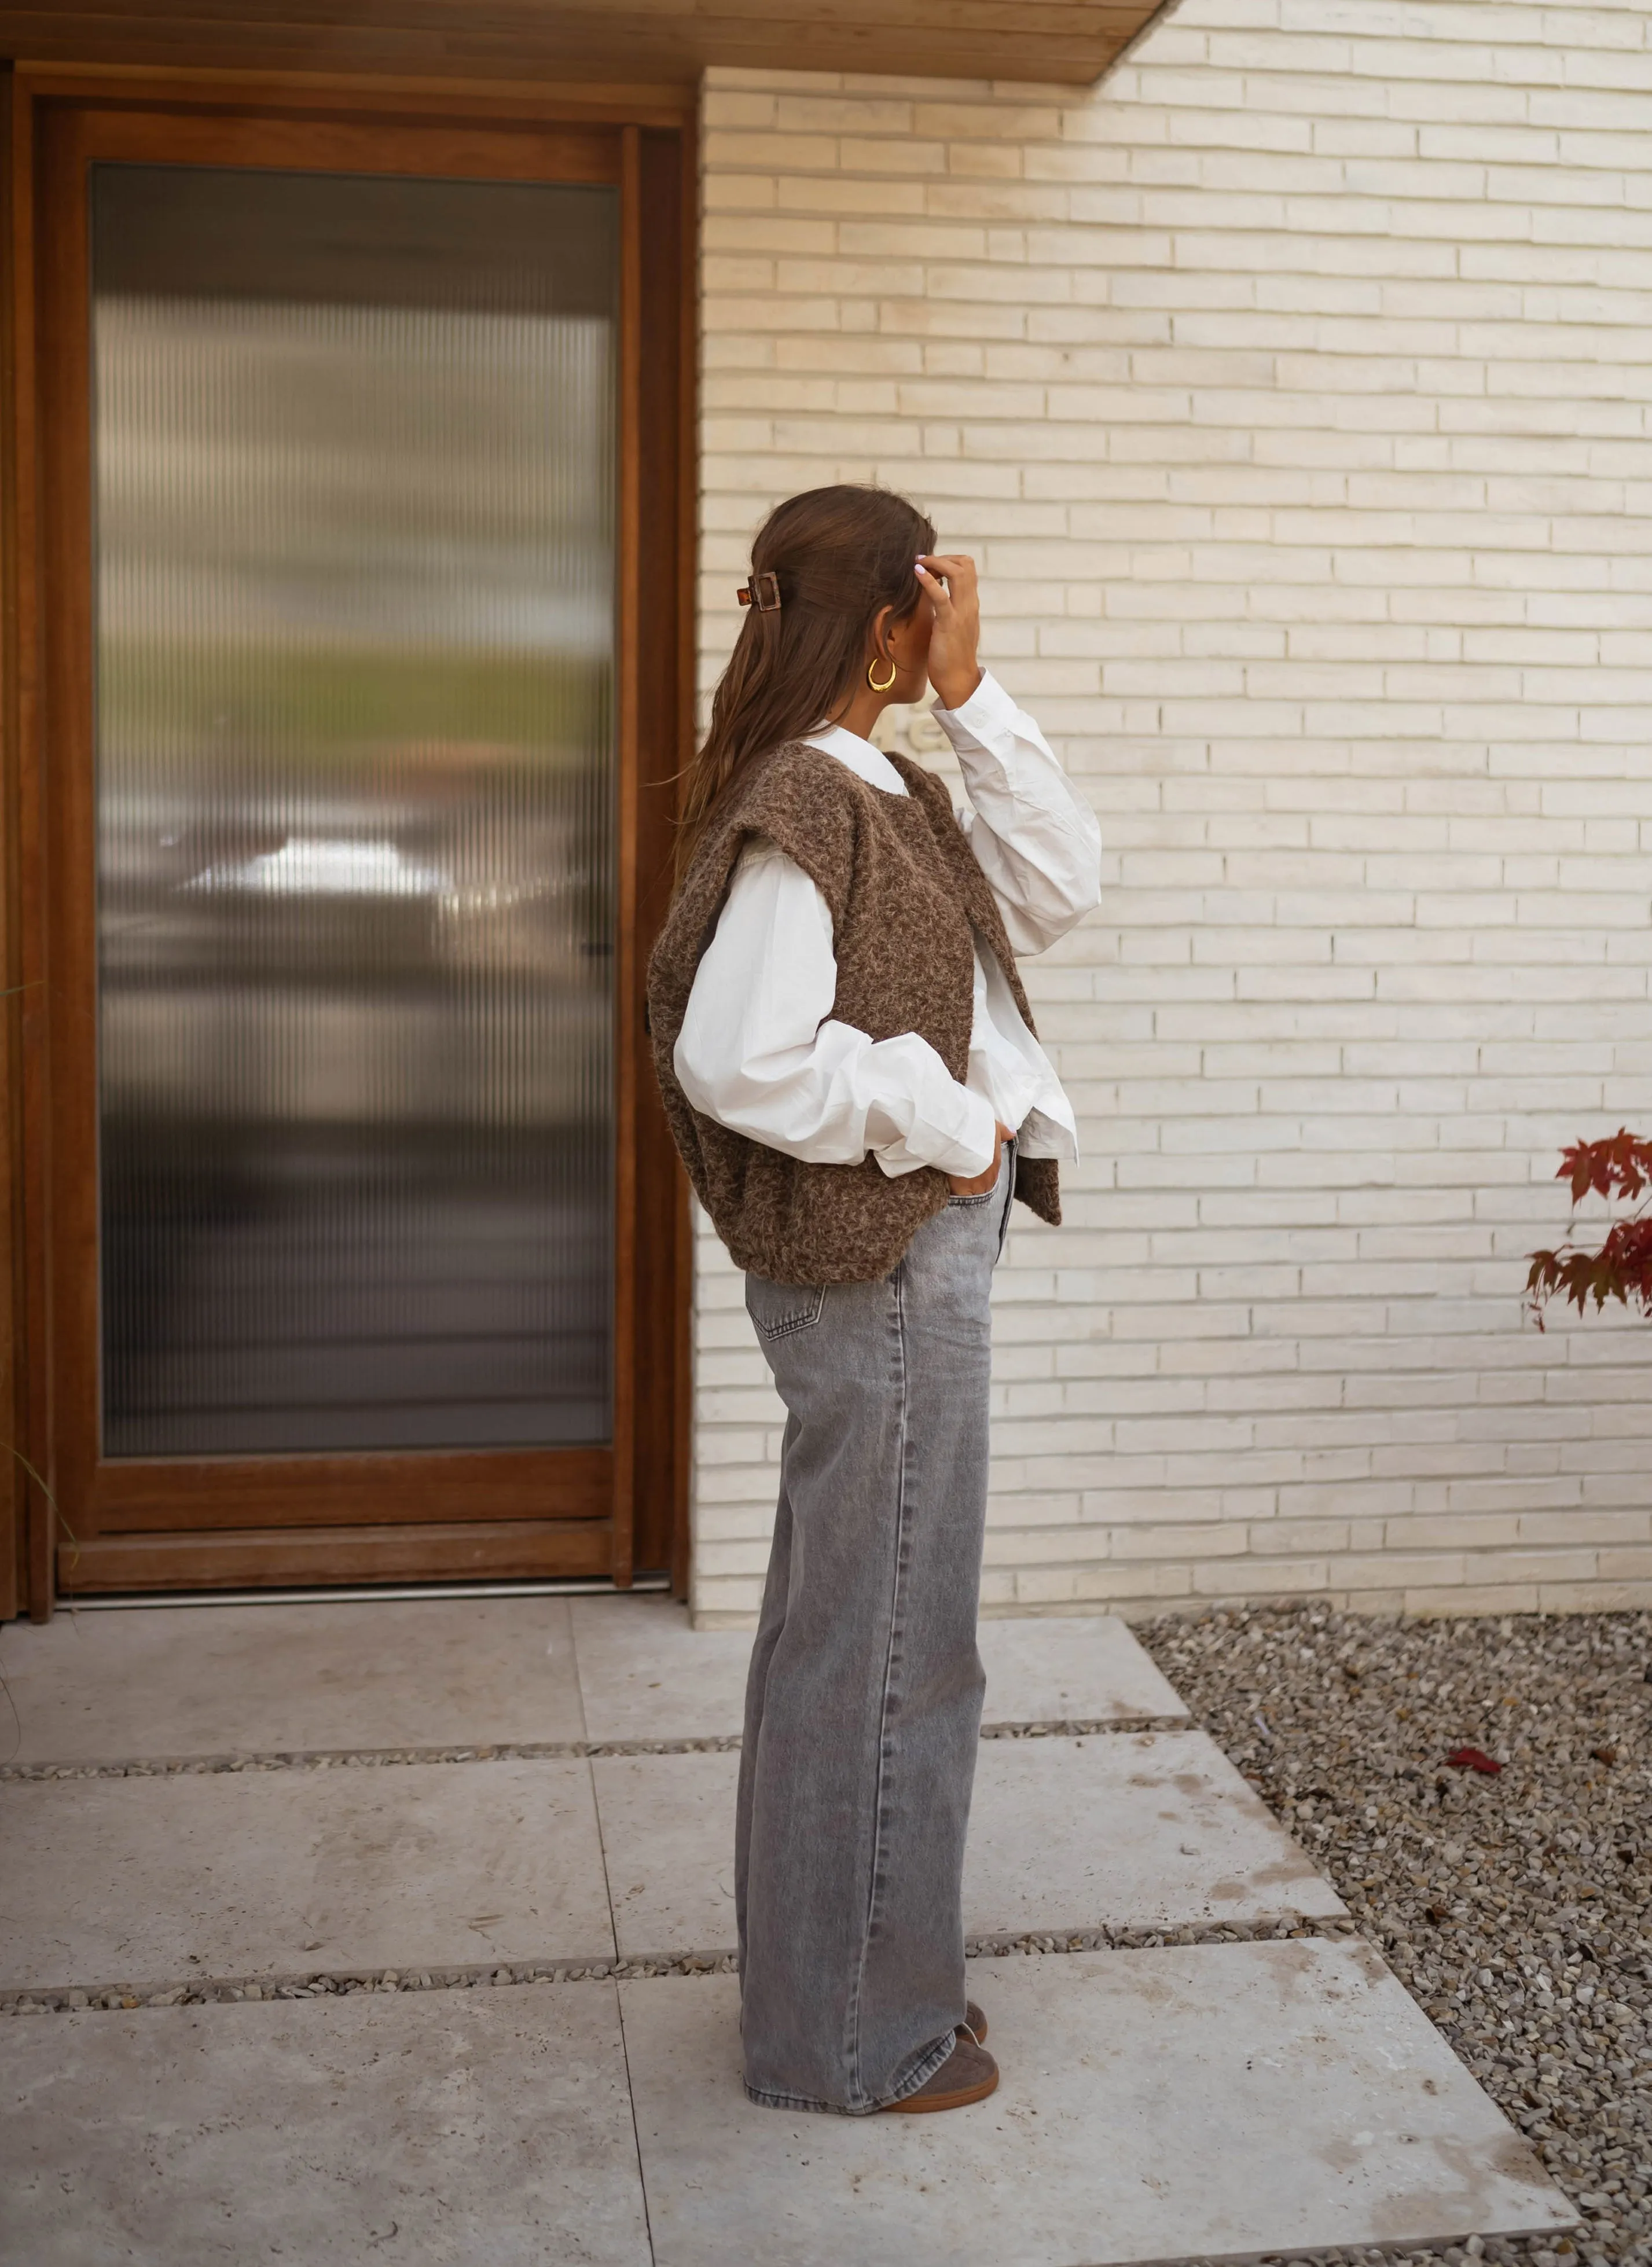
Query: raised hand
[(949, 579)]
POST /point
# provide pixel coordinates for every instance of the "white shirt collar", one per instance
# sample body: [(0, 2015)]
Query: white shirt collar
[(869, 763)]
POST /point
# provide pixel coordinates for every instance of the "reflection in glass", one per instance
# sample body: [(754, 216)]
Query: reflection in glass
[(355, 484)]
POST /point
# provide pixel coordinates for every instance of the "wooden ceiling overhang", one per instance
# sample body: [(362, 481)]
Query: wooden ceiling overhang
[(1068, 42)]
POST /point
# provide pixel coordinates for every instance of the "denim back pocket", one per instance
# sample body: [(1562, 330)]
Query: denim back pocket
[(778, 1309), (986, 1196)]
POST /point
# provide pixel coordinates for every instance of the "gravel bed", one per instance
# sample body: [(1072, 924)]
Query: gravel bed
[(1515, 1906)]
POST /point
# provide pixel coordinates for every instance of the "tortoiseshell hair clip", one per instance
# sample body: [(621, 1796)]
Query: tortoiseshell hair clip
[(762, 592)]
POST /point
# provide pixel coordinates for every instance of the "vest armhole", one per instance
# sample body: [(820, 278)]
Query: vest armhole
[(751, 826)]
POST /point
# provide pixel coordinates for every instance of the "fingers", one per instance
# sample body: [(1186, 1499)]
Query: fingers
[(934, 585), (956, 567)]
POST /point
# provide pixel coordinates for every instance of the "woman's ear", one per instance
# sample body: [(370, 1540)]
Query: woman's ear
[(908, 639), (880, 633)]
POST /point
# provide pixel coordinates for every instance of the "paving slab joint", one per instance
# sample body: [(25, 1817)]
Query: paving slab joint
[(1275, 1929), (508, 1751), (1084, 1728), (313, 1983), (195, 1991)]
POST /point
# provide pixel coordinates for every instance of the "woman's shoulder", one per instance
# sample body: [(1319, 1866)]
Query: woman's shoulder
[(806, 803)]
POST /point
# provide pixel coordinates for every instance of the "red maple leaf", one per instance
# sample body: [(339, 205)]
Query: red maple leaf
[(1474, 1759), (1620, 1267)]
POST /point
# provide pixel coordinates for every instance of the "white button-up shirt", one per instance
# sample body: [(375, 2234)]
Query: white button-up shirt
[(760, 1051)]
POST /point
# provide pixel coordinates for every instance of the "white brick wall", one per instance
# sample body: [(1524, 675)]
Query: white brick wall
[(1293, 388)]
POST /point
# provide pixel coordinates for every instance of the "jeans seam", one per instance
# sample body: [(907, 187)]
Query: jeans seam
[(896, 1592), (1009, 1197), (801, 1318), (767, 2101), (924, 2069)]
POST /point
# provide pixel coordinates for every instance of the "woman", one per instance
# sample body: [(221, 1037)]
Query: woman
[(850, 1071)]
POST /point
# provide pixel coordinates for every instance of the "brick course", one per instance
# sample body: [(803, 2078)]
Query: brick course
[(1291, 388)]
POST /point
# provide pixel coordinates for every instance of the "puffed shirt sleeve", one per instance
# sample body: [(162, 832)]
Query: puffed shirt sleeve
[(1034, 836), (759, 1050)]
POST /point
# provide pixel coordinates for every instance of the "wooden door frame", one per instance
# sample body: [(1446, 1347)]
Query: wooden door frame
[(642, 1523)]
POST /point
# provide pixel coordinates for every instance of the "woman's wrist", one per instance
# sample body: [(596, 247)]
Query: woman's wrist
[(977, 1184), (954, 687)]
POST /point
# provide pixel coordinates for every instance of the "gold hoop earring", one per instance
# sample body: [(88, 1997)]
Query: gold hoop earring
[(882, 684)]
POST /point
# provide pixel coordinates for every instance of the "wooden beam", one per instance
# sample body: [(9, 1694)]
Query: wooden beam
[(28, 1160), (276, 1558), (1068, 42), (13, 1479), (628, 624)]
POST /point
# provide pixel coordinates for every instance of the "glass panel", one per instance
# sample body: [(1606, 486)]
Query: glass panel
[(356, 482)]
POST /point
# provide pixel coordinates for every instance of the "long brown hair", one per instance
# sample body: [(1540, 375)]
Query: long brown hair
[(838, 555)]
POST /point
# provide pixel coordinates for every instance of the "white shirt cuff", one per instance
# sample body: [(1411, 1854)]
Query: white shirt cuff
[(988, 709), (918, 1114)]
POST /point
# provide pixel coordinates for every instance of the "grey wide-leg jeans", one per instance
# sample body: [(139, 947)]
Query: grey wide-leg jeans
[(864, 1701)]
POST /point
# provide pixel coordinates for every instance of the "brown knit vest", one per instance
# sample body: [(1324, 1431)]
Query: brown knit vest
[(904, 893)]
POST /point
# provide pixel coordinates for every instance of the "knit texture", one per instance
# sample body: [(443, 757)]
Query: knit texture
[(904, 893)]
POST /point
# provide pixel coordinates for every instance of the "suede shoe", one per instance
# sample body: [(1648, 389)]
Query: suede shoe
[(974, 2023), (968, 2074)]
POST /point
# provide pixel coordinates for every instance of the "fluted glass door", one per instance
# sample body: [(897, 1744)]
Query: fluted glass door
[(354, 489)]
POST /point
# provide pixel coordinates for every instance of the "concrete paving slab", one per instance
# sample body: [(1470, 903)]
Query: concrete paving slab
[(421, 2127), (1208, 2102), (163, 1682), (646, 1675), (668, 1840), (1077, 1669), (1121, 1830), (1126, 1829), (232, 1874)]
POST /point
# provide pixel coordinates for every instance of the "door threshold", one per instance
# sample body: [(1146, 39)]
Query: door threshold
[(366, 1593)]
